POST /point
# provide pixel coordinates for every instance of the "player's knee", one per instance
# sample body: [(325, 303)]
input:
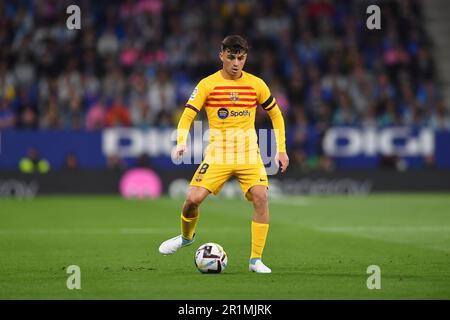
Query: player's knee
[(261, 197), (192, 202)]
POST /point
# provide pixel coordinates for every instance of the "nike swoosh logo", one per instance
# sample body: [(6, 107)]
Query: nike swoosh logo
[(262, 180)]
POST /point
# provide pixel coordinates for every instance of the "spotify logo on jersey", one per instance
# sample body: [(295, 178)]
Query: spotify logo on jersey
[(222, 113)]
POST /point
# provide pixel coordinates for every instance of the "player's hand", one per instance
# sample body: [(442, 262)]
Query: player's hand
[(283, 159), (179, 151)]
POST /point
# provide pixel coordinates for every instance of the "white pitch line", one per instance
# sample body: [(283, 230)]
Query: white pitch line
[(385, 229), (104, 231), (96, 231)]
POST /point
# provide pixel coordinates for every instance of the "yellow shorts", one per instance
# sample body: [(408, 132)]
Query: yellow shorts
[(213, 176)]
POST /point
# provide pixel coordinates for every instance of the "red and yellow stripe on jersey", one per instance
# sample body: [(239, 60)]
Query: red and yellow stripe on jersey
[(230, 106)]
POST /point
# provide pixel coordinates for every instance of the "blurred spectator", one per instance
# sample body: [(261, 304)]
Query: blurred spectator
[(369, 118), (51, 118), (296, 88), (26, 108), (390, 117), (24, 70), (117, 115), (141, 114), (114, 82), (7, 116), (334, 80), (424, 66), (326, 163), (114, 162), (33, 163), (96, 116), (440, 117), (299, 152), (108, 43), (308, 49), (28, 118), (69, 83), (303, 155), (71, 162), (345, 115), (161, 95), (360, 89), (428, 95), (74, 115), (384, 89)]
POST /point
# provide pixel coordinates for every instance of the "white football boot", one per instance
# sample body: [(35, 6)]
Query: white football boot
[(172, 245), (256, 265)]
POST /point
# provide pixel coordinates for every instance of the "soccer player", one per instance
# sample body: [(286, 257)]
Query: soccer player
[(230, 97)]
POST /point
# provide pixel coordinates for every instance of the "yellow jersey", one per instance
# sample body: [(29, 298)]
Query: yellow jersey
[(230, 107)]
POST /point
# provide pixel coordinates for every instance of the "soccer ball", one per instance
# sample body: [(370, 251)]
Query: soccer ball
[(210, 258)]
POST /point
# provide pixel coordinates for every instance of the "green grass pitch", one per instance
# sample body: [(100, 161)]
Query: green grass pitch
[(318, 248)]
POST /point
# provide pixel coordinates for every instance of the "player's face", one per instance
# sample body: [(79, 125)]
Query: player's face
[(233, 63)]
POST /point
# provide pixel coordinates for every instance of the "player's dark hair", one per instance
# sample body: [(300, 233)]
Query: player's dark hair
[(235, 44)]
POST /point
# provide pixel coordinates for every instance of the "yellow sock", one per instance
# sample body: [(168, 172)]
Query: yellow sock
[(188, 226), (259, 235)]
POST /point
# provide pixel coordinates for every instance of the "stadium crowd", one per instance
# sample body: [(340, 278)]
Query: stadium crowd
[(135, 63)]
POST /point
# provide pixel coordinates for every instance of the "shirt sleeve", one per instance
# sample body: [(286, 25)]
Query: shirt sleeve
[(278, 125), (184, 125), (198, 97), (192, 108), (263, 92), (269, 104)]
